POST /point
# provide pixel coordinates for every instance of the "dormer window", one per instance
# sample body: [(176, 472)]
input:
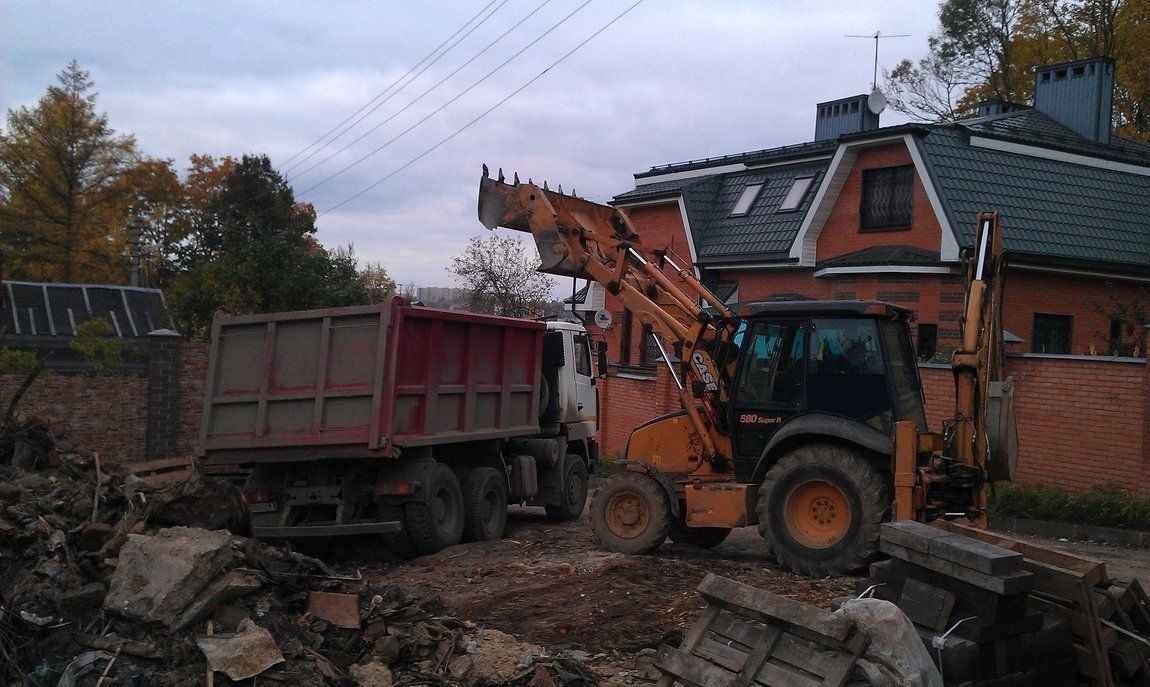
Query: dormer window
[(746, 200), (887, 199), (794, 197)]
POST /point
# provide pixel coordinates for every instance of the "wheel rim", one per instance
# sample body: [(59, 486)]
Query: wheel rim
[(443, 508), (627, 514), (575, 491), (817, 513)]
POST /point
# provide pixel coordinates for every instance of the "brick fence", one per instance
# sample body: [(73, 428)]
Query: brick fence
[(1082, 421), (126, 418)]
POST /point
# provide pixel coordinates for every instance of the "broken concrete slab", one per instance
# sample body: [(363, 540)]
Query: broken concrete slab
[(157, 577), (227, 587), (371, 674), (242, 655), (341, 610)]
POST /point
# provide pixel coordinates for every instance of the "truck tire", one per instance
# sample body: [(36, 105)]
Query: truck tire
[(437, 523), (630, 513), (484, 505), (400, 546), (820, 507), (574, 490), (702, 537)]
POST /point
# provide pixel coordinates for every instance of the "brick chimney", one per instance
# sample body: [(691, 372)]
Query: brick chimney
[(840, 117), (1078, 95)]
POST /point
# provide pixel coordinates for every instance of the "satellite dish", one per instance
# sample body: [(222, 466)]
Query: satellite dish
[(603, 319), (876, 101)]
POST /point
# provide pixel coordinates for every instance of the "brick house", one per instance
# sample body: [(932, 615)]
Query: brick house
[(885, 213)]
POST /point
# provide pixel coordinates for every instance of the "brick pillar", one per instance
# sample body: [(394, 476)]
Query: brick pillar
[(163, 393), (1145, 410)]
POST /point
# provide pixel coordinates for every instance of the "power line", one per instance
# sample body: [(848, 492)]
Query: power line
[(404, 76), (486, 112), (449, 102), (425, 93)]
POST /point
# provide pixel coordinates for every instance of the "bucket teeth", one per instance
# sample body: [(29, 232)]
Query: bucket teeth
[(560, 189), (574, 194), (517, 178), (485, 173), (501, 177), (545, 185)]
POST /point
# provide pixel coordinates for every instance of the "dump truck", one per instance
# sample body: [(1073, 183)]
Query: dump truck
[(803, 418), (415, 424)]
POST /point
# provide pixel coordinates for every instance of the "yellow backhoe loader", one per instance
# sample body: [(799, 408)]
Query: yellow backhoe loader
[(805, 418)]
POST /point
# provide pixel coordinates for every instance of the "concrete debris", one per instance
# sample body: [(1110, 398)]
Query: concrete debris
[(494, 658), (158, 576), (227, 587), (341, 610), (371, 674), (242, 655)]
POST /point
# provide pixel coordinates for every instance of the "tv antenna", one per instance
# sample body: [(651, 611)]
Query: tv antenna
[(876, 36)]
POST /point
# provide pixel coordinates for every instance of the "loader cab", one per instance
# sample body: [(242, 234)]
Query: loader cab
[(821, 362)]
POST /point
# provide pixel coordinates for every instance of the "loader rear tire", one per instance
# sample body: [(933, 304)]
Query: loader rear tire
[(484, 505), (630, 513), (702, 537), (820, 507), (436, 523)]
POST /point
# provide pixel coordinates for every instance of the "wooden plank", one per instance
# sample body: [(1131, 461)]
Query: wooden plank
[(743, 631), (833, 666), (775, 675), (910, 534), (722, 655), (965, 551), (161, 464), (1091, 570), (692, 639), (926, 605), (693, 671), (751, 601), (1011, 583)]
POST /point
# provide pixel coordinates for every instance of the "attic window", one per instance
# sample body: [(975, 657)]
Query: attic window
[(794, 197), (746, 200)]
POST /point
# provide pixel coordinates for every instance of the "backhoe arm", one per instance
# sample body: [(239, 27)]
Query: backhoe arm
[(578, 238)]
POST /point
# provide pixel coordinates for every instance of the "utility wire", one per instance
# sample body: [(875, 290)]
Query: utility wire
[(425, 93), (401, 78), (486, 112), (439, 109)]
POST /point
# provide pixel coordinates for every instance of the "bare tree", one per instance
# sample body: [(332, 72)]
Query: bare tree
[(500, 274)]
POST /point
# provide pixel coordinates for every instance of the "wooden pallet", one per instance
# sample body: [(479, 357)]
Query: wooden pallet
[(163, 472), (748, 636), (1063, 587)]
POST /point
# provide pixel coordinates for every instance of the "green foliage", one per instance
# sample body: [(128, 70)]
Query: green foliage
[(609, 464), (1108, 506), (16, 362), (98, 343)]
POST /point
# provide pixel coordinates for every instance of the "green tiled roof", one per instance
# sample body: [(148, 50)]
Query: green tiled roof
[(1051, 210)]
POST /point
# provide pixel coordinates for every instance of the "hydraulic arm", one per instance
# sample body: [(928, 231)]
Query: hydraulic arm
[(578, 238)]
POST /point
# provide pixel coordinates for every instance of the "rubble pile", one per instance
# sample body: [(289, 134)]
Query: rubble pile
[(106, 581)]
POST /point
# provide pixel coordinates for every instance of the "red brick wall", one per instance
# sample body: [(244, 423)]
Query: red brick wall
[(630, 400), (840, 235), (1080, 421), (104, 414), (193, 373)]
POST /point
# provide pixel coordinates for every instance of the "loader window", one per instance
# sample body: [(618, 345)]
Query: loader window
[(772, 368), (846, 374)]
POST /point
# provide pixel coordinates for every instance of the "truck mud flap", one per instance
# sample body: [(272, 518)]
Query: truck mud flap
[(328, 530)]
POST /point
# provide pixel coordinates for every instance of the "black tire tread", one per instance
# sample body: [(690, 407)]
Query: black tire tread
[(873, 496), (420, 523), (565, 512), (474, 487), (661, 516)]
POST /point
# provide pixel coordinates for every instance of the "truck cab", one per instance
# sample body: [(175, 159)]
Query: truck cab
[(578, 398)]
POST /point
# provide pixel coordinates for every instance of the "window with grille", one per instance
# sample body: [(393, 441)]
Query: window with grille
[(649, 354), (1052, 333), (927, 344), (887, 199)]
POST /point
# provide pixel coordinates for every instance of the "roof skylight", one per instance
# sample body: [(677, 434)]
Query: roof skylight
[(746, 200), (795, 196)]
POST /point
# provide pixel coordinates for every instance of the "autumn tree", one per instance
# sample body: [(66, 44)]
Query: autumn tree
[(500, 275), (987, 50), (66, 186), (252, 249)]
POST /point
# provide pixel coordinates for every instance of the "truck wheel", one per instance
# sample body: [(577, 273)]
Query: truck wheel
[(702, 537), (484, 505), (820, 508), (437, 523), (400, 546), (630, 513), (574, 490)]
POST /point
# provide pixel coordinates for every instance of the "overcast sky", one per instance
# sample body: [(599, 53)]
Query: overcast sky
[(669, 81)]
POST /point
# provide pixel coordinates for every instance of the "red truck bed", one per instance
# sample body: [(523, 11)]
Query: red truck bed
[(360, 381)]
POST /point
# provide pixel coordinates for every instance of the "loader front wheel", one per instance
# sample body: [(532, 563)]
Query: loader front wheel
[(630, 513), (820, 507)]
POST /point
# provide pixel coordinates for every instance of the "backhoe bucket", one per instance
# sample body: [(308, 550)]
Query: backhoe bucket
[(518, 207)]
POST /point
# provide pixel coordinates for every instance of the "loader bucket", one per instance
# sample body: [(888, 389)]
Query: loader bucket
[(1001, 432), (524, 207)]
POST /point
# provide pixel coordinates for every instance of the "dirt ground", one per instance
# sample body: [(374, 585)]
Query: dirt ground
[(549, 583)]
